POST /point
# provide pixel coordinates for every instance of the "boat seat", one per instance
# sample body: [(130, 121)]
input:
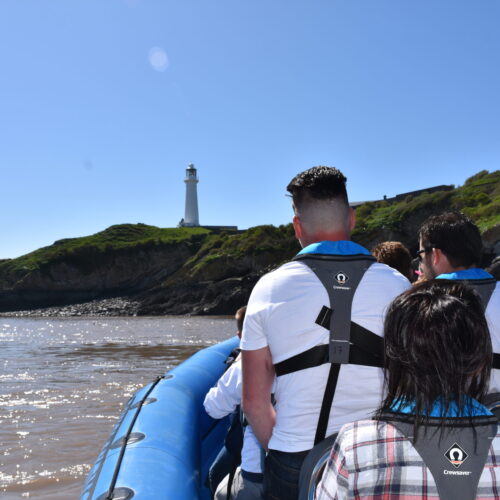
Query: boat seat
[(313, 467), (492, 402)]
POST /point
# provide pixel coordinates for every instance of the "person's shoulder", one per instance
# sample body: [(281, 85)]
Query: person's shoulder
[(496, 293), (288, 271), (382, 273), (358, 431), (235, 365), (493, 307)]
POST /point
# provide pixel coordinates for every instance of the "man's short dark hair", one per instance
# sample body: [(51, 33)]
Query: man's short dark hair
[(319, 183), (456, 236)]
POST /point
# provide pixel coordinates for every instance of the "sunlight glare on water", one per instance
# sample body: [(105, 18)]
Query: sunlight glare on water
[(64, 383)]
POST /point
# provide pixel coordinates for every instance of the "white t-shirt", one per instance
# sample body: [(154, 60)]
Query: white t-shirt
[(492, 314), (493, 317), (281, 314), (222, 400)]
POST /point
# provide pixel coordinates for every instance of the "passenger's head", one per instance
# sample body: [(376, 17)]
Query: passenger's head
[(320, 205), (437, 345), (239, 316), (395, 255), (448, 242)]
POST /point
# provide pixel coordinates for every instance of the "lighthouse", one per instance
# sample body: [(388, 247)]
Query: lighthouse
[(191, 207)]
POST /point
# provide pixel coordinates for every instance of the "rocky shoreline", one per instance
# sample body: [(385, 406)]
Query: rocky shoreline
[(117, 306)]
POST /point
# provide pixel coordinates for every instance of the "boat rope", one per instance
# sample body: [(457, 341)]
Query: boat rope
[(112, 485)]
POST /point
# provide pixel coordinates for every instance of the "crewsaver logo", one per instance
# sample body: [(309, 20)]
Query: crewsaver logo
[(341, 278), (456, 455)]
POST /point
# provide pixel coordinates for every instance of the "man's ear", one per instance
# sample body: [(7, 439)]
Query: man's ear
[(297, 226), (352, 219), (438, 258)]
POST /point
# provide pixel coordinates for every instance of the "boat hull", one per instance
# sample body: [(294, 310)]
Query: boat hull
[(171, 440)]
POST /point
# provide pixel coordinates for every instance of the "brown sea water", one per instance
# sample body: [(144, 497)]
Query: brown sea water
[(63, 383)]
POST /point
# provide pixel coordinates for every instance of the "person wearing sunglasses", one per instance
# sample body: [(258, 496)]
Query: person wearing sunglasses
[(450, 247)]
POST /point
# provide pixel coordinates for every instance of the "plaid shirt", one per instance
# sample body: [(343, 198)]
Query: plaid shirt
[(373, 463)]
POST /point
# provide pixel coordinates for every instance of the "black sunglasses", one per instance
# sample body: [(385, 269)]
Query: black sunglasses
[(420, 252)]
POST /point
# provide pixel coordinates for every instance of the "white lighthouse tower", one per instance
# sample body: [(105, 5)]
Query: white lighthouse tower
[(191, 208)]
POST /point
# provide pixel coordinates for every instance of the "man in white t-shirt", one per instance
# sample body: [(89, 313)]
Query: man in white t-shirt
[(281, 323), (450, 248)]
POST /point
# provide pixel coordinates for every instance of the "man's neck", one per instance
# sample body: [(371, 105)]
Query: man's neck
[(450, 269), (326, 236)]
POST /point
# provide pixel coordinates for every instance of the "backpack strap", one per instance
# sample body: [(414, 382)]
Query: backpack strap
[(457, 456)]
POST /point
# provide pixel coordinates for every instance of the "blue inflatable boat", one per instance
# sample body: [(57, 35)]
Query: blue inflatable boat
[(164, 442)]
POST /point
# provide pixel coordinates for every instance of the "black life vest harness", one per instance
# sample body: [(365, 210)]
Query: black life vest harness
[(455, 450), (349, 342)]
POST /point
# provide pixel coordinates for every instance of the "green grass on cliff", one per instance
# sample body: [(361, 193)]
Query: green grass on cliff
[(479, 198), (255, 248), (114, 238), (219, 255)]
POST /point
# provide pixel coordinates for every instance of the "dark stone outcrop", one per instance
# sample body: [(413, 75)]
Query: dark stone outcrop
[(209, 274), (122, 273), (208, 297)]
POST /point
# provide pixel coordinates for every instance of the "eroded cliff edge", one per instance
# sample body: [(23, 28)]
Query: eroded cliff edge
[(145, 270)]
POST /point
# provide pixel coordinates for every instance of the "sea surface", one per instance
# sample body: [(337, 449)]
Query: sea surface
[(63, 383)]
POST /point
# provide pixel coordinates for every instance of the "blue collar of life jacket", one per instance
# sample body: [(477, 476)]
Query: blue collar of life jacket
[(471, 408), (342, 247), (474, 273)]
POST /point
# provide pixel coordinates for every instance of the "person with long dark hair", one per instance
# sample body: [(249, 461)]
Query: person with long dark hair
[(431, 438)]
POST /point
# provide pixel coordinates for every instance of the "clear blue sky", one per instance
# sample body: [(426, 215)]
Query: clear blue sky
[(103, 103)]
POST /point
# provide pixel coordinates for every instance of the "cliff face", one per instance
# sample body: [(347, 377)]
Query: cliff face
[(200, 271), (120, 261), (220, 277), (208, 273), (122, 272)]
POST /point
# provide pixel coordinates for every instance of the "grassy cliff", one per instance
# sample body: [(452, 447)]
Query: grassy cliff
[(85, 252), (479, 198), (186, 270)]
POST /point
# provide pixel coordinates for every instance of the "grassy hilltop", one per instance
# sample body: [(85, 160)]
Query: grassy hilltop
[(198, 270), (479, 198), (83, 252)]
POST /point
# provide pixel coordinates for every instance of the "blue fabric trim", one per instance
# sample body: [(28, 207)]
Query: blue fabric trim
[(466, 274), (472, 408), (335, 248)]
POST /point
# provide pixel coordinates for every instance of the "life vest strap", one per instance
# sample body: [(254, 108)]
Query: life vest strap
[(484, 287), (496, 361), (366, 348)]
